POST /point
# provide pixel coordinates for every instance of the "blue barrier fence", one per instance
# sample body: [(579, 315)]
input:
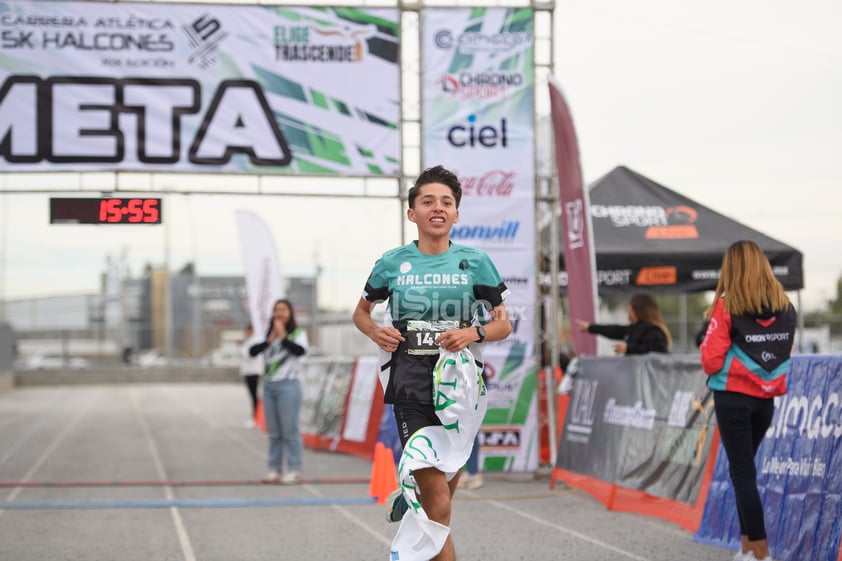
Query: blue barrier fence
[(799, 470)]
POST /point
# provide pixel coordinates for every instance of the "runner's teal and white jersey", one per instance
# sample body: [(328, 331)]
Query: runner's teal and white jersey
[(428, 293)]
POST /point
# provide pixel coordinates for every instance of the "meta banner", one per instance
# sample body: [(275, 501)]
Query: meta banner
[(799, 470), (198, 88), (642, 422)]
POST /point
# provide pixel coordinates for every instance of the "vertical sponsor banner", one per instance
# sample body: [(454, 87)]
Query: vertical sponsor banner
[(478, 99), (162, 86), (264, 281), (577, 232)]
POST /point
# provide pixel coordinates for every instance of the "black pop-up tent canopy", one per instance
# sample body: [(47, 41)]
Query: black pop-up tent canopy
[(649, 237)]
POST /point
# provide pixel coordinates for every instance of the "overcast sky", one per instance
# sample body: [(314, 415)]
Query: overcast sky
[(737, 105)]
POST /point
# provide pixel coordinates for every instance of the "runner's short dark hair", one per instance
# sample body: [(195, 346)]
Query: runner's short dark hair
[(436, 174)]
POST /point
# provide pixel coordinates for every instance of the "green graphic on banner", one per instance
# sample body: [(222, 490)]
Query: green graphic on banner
[(509, 431)]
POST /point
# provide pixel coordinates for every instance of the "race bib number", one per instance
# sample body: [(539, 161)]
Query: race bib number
[(421, 335)]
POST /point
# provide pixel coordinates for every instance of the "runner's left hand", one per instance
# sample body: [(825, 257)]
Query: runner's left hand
[(457, 339)]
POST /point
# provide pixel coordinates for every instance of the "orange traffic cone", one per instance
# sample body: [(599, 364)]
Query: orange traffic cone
[(259, 416), (384, 475)]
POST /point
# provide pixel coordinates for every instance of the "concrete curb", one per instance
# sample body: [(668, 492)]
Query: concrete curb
[(122, 375)]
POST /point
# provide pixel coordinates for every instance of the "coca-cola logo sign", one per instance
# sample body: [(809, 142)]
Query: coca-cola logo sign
[(492, 183)]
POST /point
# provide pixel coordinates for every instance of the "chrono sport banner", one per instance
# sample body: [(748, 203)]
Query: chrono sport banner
[(477, 106)]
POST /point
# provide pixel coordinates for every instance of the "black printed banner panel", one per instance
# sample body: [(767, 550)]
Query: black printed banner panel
[(644, 423)]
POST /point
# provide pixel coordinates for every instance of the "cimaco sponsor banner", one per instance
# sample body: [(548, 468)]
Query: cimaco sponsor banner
[(478, 91), (199, 88), (799, 470)]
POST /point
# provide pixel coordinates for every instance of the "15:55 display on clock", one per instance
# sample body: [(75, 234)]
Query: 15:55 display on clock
[(105, 210)]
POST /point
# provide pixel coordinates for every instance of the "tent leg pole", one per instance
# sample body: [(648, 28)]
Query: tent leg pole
[(799, 337), (682, 313)]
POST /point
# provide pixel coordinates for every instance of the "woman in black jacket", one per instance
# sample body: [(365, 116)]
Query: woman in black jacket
[(646, 332)]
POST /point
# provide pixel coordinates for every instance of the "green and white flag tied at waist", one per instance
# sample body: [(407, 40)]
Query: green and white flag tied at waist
[(460, 402)]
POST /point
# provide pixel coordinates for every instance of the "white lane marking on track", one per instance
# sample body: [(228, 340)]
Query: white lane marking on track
[(52, 446), (353, 519), (215, 424), (234, 435), (32, 429), (574, 533), (178, 522)]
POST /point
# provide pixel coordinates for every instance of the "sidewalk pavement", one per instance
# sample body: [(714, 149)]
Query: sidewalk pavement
[(170, 472)]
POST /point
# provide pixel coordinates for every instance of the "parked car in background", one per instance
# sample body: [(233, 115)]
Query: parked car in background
[(228, 357), (151, 358), (45, 361)]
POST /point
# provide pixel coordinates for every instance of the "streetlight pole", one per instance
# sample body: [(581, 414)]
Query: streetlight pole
[(168, 315)]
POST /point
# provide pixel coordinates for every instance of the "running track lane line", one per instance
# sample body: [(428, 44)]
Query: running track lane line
[(180, 483), (196, 503), (351, 518), (568, 531), (340, 509), (55, 442), (180, 530), (260, 454), (213, 423), (45, 415)]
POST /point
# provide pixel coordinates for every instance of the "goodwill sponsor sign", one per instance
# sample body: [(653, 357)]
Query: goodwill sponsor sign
[(642, 422), (197, 87)]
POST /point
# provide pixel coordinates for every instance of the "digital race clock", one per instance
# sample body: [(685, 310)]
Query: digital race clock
[(109, 210)]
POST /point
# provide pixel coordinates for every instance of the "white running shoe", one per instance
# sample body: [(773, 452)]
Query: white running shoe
[(470, 482), (291, 478), (271, 477)]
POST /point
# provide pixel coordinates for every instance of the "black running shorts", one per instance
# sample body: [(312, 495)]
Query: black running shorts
[(410, 417)]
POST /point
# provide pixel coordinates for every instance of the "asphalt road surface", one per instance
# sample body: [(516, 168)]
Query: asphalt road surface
[(149, 472)]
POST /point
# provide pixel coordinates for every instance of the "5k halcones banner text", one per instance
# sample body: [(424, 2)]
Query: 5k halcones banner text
[(199, 88)]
